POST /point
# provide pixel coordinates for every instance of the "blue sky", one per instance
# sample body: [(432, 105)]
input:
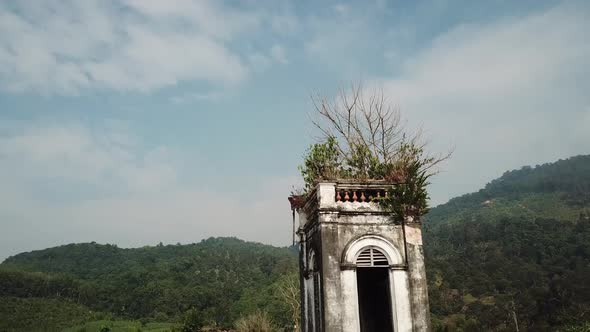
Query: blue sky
[(136, 121)]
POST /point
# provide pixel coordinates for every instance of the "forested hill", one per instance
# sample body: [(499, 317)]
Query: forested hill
[(221, 278), (554, 190), (92, 261), (514, 255)]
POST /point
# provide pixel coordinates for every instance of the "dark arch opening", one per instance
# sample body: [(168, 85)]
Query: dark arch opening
[(372, 275), (374, 299)]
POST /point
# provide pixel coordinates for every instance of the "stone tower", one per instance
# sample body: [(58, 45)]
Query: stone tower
[(359, 270)]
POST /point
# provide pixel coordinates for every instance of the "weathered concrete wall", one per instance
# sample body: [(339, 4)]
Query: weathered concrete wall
[(417, 274), (331, 277)]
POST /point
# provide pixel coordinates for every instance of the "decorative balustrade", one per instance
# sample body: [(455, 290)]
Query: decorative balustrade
[(346, 194), (360, 194)]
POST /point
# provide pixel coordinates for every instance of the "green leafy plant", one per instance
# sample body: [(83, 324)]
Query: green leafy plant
[(322, 162), (408, 198)]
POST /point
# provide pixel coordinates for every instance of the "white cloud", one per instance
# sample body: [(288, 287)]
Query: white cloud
[(70, 183), (506, 94), (196, 97), (342, 38), (261, 62), (285, 23), (64, 46), (498, 59), (279, 54), (98, 160), (342, 9), (208, 16)]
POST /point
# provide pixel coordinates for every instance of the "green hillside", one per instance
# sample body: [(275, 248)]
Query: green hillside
[(559, 190), (222, 278), (514, 253)]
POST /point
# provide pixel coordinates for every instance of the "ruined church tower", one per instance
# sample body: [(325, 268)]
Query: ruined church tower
[(359, 271)]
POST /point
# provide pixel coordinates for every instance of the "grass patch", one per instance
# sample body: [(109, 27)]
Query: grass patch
[(468, 298), (487, 300), (121, 326)]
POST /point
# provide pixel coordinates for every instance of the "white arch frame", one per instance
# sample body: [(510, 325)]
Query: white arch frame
[(354, 248), (309, 284), (398, 284)]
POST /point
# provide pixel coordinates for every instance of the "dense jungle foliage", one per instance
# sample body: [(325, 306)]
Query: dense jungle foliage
[(516, 253), (220, 279)]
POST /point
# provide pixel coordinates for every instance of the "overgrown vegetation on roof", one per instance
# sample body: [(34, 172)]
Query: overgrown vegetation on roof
[(364, 138)]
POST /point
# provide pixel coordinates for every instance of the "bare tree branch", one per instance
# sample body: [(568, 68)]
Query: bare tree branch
[(367, 129)]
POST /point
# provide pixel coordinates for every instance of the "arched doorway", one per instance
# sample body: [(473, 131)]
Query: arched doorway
[(372, 267), (374, 293)]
